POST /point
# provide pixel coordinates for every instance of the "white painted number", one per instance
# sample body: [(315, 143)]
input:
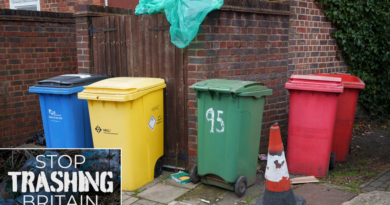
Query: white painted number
[(210, 117), (220, 121), (210, 111)]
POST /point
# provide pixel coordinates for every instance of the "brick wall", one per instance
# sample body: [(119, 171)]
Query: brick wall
[(31, 51), (67, 5), (312, 49), (4, 4), (242, 46)]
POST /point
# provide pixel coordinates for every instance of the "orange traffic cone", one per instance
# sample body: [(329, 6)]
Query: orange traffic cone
[(277, 185)]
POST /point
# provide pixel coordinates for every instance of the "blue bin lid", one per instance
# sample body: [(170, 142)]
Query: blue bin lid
[(66, 84)]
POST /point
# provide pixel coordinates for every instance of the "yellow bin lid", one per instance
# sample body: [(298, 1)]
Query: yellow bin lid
[(121, 89)]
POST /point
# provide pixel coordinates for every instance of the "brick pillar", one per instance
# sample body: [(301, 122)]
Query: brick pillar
[(83, 18), (83, 44)]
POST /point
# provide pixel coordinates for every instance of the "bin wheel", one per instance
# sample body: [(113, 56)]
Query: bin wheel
[(194, 177), (158, 168), (332, 160), (240, 186)]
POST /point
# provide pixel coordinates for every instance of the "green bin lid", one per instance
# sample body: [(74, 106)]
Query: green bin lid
[(237, 87)]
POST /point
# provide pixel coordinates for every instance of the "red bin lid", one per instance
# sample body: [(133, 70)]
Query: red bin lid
[(349, 80), (315, 83)]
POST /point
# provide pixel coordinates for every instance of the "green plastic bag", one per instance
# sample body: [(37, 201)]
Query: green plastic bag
[(185, 16)]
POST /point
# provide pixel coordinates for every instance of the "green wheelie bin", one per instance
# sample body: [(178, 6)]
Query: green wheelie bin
[(230, 115)]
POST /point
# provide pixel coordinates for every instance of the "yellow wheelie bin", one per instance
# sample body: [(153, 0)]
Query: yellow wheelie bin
[(128, 113)]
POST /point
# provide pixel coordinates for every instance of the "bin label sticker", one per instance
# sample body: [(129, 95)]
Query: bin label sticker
[(98, 129), (152, 122), (54, 116), (210, 117)]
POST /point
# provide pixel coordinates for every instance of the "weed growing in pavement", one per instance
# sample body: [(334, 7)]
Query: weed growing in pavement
[(251, 198), (164, 178), (354, 187), (138, 191)]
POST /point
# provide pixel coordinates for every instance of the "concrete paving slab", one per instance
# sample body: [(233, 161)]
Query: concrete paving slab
[(31, 146), (320, 195), (130, 193), (368, 188), (384, 178), (163, 193), (178, 203), (335, 186), (129, 201), (125, 196), (221, 196), (371, 198), (145, 202), (376, 183), (174, 183), (160, 178)]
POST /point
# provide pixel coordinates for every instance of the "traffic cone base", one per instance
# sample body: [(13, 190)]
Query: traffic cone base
[(280, 198)]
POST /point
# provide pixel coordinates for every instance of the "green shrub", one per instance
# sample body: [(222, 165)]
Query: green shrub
[(363, 28)]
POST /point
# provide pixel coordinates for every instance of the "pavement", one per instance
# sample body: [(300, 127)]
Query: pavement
[(166, 191), (379, 183)]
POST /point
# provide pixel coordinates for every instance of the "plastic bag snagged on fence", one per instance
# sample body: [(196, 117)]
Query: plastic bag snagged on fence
[(185, 16)]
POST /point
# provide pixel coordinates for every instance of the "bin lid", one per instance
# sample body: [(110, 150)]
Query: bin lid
[(70, 80), (121, 88), (349, 80), (66, 84), (238, 87), (315, 83)]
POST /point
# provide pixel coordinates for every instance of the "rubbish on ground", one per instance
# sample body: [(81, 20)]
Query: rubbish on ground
[(263, 157), (181, 177), (38, 139), (303, 180), (205, 201), (381, 136), (185, 16)]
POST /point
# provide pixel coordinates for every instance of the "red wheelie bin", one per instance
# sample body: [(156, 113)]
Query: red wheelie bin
[(345, 114), (312, 114)]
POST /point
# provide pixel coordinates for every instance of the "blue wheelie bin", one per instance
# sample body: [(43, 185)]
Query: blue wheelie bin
[(65, 117)]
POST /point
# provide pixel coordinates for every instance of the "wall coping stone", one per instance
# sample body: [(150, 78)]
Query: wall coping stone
[(96, 10), (263, 8), (41, 16)]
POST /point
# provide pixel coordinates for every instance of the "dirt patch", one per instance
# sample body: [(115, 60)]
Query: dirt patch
[(370, 154), (210, 193)]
